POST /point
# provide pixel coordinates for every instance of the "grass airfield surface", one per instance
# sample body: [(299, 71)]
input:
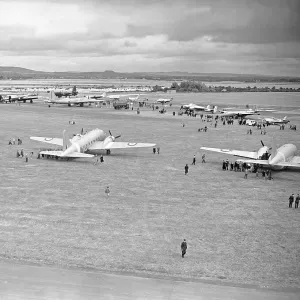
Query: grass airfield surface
[(56, 213)]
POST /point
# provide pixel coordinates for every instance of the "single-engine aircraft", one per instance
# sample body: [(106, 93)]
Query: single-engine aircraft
[(86, 145), (281, 158), (66, 93)]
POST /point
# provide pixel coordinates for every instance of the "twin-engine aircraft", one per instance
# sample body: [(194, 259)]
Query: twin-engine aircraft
[(19, 98), (71, 101), (196, 108), (66, 93), (87, 145), (164, 100), (279, 159)]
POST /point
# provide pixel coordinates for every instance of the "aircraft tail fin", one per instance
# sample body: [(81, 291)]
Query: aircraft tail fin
[(274, 149), (66, 141), (215, 109), (74, 91), (284, 119), (52, 95)]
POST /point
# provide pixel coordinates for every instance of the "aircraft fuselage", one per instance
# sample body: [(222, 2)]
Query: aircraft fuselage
[(283, 154)]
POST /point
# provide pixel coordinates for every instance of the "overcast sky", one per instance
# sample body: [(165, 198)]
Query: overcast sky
[(232, 36)]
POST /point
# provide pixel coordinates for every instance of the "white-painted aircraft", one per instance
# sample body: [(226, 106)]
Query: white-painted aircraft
[(70, 101), (275, 121), (281, 158), (117, 97), (195, 107), (164, 100), (268, 120), (238, 113), (87, 145)]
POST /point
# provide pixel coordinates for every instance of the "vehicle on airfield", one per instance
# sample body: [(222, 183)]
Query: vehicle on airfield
[(279, 159), (86, 145), (120, 105)]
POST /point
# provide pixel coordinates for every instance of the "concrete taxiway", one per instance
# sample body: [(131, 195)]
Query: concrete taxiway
[(34, 282)]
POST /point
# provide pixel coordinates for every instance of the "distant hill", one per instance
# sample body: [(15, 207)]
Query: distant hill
[(17, 70), (7, 72)]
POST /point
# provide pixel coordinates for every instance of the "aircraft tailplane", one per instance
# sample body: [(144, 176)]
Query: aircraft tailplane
[(52, 95), (66, 141)]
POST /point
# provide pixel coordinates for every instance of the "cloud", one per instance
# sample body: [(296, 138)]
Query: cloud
[(195, 35)]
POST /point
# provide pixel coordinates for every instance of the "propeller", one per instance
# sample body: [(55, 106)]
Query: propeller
[(262, 143), (115, 137)]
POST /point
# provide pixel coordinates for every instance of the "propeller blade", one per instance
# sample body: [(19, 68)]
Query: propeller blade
[(117, 136), (109, 132), (262, 143)]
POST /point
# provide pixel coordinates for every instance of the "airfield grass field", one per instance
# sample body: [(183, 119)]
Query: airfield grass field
[(56, 213)]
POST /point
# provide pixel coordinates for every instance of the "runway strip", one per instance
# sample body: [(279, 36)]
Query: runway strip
[(34, 282)]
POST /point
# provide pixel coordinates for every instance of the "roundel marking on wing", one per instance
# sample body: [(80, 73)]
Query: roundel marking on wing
[(225, 150), (48, 139), (131, 144)]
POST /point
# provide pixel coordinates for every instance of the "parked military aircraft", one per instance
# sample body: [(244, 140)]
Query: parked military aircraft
[(238, 113), (275, 121), (281, 158), (19, 98), (196, 108), (85, 146), (268, 120), (70, 101), (117, 97), (103, 95), (66, 93), (164, 101)]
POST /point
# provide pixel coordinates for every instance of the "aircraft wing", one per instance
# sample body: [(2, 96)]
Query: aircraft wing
[(118, 145), (55, 141), (73, 155), (255, 161), (248, 154), (123, 145)]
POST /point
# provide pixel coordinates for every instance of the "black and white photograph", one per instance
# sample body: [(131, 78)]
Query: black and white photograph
[(149, 149)]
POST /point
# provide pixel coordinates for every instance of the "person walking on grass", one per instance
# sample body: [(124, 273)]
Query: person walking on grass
[(186, 169), (297, 201), (107, 191), (291, 200), (194, 160), (183, 248)]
